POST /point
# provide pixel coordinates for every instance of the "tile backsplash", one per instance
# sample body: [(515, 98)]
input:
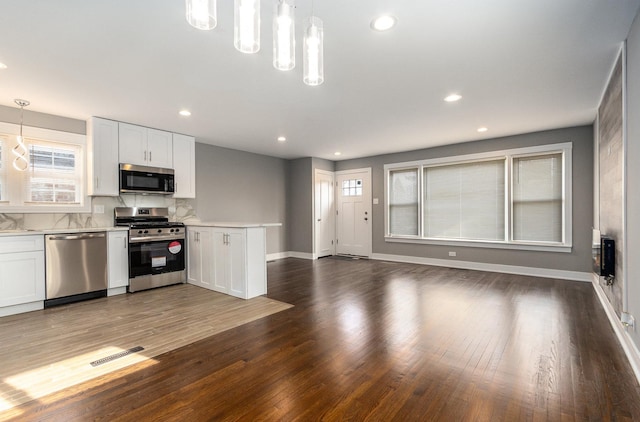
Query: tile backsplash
[(179, 210)]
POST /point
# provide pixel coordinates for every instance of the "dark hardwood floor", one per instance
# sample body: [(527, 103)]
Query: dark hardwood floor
[(372, 340)]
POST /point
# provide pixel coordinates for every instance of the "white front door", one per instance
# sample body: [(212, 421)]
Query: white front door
[(324, 214), (353, 193)]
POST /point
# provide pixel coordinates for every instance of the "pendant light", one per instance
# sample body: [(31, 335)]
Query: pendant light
[(284, 42), (21, 162), (313, 71), (202, 14), (246, 26)]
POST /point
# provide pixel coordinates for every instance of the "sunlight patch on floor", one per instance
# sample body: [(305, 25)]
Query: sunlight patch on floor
[(56, 376)]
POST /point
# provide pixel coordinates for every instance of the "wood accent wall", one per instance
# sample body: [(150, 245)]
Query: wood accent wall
[(610, 155)]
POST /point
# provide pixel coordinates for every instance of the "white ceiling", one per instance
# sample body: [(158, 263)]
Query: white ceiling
[(521, 66)]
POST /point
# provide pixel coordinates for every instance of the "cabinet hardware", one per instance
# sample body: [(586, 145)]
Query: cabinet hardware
[(145, 156), (125, 242), (150, 156)]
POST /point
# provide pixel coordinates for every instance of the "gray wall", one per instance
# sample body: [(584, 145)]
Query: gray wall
[(236, 186), (610, 160), (633, 176), (42, 120), (580, 257), (299, 205)]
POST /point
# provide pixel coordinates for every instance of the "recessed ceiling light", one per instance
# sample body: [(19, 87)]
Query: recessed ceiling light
[(383, 23), (452, 98), (281, 139), (337, 153), (3, 66), (185, 113), (482, 129)]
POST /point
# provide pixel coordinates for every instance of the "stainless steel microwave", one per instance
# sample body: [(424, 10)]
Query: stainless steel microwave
[(147, 180)]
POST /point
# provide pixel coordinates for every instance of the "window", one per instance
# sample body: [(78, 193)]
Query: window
[(54, 181), (352, 187), (517, 199)]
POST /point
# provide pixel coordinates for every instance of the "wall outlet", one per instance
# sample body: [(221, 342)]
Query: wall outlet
[(452, 253), (98, 209), (375, 201)]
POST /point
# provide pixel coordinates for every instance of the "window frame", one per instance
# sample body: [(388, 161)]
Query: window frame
[(508, 155), (15, 201)]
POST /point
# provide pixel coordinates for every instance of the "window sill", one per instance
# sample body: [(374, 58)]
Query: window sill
[(524, 246)]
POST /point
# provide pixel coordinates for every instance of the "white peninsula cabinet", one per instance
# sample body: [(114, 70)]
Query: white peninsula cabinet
[(117, 262), (231, 260), (145, 146), (21, 274)]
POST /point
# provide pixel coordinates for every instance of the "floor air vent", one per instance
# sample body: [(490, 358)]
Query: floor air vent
[(116, 356)]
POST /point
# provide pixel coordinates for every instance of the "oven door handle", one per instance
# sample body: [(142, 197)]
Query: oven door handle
[(154, 239)]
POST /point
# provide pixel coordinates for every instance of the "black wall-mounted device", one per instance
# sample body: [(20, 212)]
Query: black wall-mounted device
[(608, 259)]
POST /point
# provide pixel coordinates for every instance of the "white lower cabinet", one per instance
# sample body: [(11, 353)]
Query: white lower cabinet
[(118, 262), (22, 286), (231, 260), (199, 257)]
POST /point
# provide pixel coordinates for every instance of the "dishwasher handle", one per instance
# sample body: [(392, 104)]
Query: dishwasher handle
[(76, 236)]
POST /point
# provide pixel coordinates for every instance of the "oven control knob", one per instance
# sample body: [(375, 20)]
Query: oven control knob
[(177, 230), (139, 231), (171, 230), (146, 231), (159, 230)]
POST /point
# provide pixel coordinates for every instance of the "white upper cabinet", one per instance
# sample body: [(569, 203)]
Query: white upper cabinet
[(184, 165), (102, 139), (144, 146)]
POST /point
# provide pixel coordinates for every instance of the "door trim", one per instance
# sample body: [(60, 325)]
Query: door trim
[(317, 171)]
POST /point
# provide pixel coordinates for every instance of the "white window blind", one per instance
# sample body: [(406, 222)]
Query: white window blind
[(54, 175), (465, 201), (537, 198), (403, 202)]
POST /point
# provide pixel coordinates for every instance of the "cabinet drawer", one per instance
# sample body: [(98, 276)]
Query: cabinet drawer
[(26, 243)]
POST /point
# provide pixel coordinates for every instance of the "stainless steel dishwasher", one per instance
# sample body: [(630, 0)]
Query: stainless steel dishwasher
[(76, 267)]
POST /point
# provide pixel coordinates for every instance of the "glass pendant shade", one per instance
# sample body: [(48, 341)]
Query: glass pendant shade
[(21, 160), (202, 14), (313, 72), (284, 41), (246, 28)]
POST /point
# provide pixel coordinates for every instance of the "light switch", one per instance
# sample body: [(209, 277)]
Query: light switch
[(375, 201)]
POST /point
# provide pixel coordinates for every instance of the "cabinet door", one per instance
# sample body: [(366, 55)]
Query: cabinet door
[(184, 165), (102, 156), (236, 263), (118, 259), (220, 260), (159, 148), (132, 144), (199, 257), (21, 278)]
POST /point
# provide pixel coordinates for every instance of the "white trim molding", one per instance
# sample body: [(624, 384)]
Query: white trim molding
[(290, 254), (629, 347), (481, 266)]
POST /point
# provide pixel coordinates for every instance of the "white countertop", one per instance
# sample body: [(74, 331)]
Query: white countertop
[(231, 225), (27, 232)]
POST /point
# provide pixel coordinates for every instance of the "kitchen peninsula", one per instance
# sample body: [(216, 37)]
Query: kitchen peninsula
[(229, 258)]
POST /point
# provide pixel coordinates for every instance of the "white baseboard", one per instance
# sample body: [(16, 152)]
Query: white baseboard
[(481, 266), (24, 307), (629, 347), (289, 254), (277, 255)]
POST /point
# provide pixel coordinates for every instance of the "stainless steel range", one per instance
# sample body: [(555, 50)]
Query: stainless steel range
[(156, 247)]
